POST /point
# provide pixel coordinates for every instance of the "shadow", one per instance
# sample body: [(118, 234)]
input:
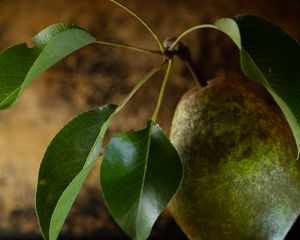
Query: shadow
[(294, 233)]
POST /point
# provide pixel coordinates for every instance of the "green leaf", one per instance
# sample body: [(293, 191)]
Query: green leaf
[(67, 161), (271, 57), (19, 65), (140, 173)]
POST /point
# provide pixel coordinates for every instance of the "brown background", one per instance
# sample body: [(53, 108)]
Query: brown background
[(97, 75)]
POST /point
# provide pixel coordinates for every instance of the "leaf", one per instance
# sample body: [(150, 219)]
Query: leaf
[(19, 65), (140, 173), (67, 161), (271, 57)]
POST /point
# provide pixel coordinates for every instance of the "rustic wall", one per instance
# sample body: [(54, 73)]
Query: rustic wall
[(98, 75)]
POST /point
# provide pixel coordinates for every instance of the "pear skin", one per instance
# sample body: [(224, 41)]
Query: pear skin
[(241, 177)]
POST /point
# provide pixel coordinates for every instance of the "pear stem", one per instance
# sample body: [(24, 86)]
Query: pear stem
[(183, 52)]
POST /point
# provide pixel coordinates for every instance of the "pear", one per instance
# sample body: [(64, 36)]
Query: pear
[(241, 177)]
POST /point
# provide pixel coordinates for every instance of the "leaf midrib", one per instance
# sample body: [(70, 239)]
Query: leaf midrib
[(143, 179), (86, 165)]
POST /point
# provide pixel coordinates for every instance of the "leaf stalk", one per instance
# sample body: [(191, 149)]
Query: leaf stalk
[(162, 90), (142, 21), (127, 46)]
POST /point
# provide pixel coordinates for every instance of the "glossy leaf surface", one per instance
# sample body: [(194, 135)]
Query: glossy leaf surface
[(67, 161), (271, 57), (140, 173), (19, 65)]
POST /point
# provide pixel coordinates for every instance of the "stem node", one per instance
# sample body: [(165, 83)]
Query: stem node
[(173, 47)]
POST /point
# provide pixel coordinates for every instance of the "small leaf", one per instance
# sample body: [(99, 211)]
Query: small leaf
[(67, 161), (271, 57), (140, 173), (19, 65)]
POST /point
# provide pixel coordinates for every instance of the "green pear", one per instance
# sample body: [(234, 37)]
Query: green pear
[(241, 177)]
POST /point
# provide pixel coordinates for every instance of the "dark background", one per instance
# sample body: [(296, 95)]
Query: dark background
[(97, 75)]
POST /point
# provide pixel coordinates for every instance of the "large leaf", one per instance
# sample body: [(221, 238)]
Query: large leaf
[(66, 163), (271, 57), (19, 65), (140, 173)]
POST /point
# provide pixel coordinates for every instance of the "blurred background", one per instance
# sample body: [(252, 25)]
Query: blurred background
[(97, 75)]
